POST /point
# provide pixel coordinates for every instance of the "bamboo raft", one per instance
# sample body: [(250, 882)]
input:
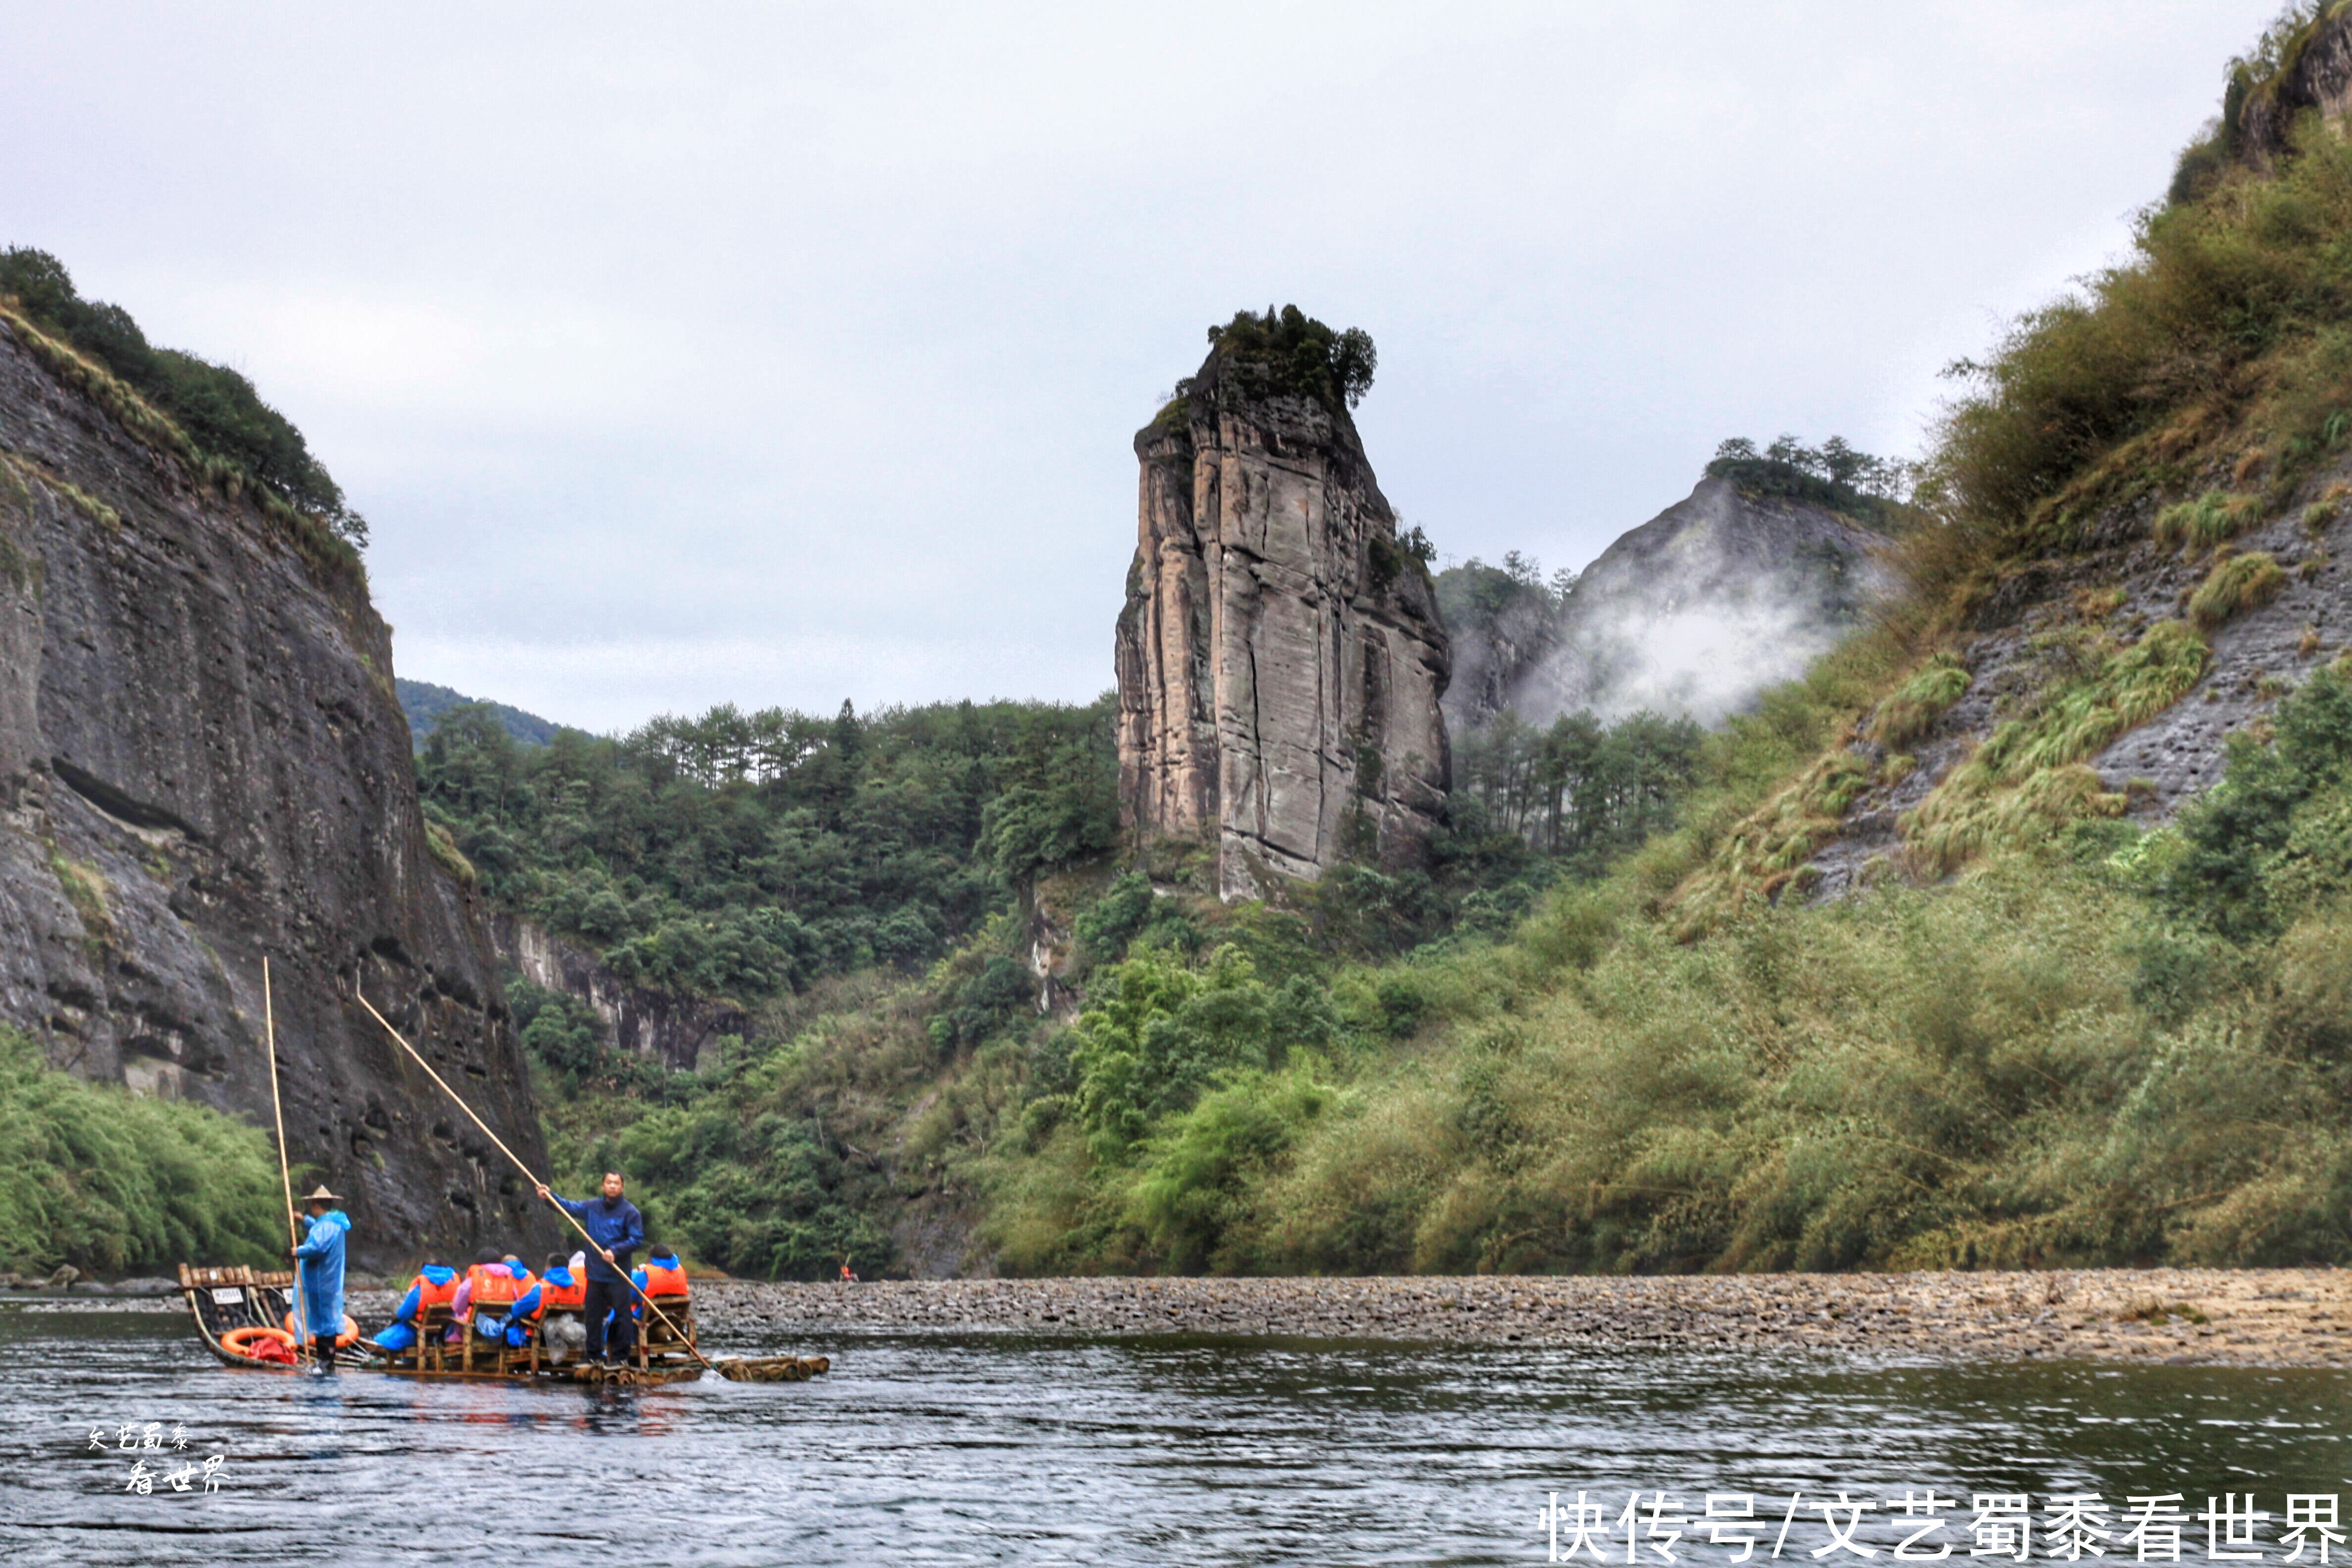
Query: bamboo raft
[(224, 1300)]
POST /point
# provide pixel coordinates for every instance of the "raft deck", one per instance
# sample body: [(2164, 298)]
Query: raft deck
[(222, 1301)]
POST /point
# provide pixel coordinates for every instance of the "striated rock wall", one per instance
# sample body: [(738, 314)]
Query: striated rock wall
[(202, 762), (677, 1029), (1280, 658)]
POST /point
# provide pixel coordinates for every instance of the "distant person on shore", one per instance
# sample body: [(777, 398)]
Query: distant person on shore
[(616, 1229), (847, 1277), (319, 1264)]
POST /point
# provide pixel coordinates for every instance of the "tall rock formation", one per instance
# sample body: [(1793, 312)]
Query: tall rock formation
[(1280, 655), (201, 761)]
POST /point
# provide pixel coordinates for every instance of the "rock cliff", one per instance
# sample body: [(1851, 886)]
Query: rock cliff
[(1696, 612), (2314, 73), (201, 761), (1280, 655), (674, 1029)]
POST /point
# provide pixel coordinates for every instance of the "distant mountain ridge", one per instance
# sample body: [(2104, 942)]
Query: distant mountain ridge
[(425, 704)]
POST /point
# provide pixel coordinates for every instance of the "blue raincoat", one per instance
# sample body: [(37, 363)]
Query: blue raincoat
[(400, 1334), (320, 1261)]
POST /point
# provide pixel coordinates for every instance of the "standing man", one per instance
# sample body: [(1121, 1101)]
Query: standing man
[(320, 1261), (618, 1229)]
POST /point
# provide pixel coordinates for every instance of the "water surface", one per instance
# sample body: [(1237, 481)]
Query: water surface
[(924, 1448)]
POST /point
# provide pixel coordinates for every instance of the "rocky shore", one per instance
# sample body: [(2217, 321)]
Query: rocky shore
[(2270, 1317), (2222, 1317)]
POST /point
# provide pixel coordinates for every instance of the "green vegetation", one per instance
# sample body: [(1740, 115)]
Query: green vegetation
[(2240, 582), (743, 855), (2028, 778), (1490, 601), (1916, 705), (1978, 1075), (1289, 353), (2218, 352), (1580, 791), (1871, 490), (106, 1180), (2206, 521), (216, 406), (732, 1165)]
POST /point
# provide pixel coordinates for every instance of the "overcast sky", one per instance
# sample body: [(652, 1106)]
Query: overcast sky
[(779, 354)]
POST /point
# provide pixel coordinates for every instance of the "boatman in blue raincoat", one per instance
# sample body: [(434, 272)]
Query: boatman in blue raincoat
[(320, 1260)]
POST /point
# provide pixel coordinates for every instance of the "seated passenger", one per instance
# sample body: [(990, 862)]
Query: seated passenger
[(661, 1276), (434, 1285), (488, 1293), (559, 1291)]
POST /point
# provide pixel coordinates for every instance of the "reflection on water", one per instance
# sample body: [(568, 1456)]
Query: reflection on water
[(1144, 1450)]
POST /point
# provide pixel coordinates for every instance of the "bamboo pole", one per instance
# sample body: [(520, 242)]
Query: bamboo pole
[(284, 1170), (570, 1218)]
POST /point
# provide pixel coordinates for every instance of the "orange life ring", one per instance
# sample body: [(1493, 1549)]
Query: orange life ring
[(236, 1340), (348, 1336)]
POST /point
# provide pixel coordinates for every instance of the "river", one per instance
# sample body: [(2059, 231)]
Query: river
[(1005, 1448)]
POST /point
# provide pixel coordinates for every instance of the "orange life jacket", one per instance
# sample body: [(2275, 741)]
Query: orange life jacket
[(571, 1298), (429, 1294), (664, 1281), (497, 1285)]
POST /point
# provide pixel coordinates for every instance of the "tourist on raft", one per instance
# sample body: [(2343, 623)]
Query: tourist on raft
[(563, 1290), (662, 1277), (616, 1229), (435, 1285), (662, 1280), (485, 1297), (318, 1263)]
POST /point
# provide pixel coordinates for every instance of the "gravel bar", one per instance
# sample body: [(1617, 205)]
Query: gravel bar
[(2222, 1317)]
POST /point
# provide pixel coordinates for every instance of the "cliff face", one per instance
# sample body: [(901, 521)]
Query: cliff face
[(1696, 612), (674, 1029), (2316, 74), (1280, 657), (202, 762)]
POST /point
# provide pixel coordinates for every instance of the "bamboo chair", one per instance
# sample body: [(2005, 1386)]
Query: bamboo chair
[(654, 1340), (432, 1327)]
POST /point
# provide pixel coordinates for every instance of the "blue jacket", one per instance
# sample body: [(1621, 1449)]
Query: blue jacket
[(320, 1261), (615, 1226), (440, 1274)]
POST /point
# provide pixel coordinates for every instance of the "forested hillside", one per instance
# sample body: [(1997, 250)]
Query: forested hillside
[(744, 856), (425, 704), (871, 888)]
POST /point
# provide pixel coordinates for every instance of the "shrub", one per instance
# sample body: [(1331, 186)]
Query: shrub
[(1834, 475), (2275, 835), (2208, 520), (1920, 700), (107, 1179), (2241, 583), (1289, 352)]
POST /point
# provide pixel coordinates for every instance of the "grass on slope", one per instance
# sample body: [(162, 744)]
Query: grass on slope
[(107, 1179)]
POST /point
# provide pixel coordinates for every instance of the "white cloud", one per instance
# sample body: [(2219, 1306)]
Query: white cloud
[(794, 326)]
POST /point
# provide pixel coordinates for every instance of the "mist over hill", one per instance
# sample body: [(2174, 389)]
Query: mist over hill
[(1761, 569)]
